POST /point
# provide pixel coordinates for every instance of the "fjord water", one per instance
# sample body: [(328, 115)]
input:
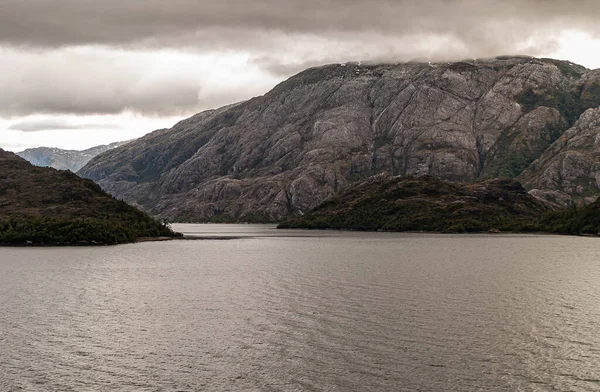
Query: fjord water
[(273, 310)]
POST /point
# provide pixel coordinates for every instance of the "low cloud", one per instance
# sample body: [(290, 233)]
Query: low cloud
[(55, 124), (311, 51), (88, 81)]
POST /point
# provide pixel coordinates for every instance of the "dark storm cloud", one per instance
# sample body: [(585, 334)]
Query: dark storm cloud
[(485, 24), (55, 124)]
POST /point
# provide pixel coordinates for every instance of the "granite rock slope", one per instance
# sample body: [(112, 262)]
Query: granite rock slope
[(311, 136), (571, 165)]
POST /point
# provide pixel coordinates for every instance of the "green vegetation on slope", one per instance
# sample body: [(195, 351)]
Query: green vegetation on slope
[(576, 221), (570, 104), (429, 204), (44, 206), (89, 231), (514, 152)]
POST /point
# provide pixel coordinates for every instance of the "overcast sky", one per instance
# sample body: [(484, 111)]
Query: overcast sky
[(78, 73)]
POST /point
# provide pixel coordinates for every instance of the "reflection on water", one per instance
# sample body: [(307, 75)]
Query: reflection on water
[(314, 311)]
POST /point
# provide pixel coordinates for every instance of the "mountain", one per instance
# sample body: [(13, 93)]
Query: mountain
[(284, 153), (425, 204), (57, 158), (49, 207)]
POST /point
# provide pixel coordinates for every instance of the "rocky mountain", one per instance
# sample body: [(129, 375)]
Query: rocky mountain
[(286, 152), (425, 204), (60, 159), (571, 165), (48, 207)]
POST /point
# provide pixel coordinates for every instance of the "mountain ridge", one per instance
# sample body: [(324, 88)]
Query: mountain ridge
[(314, 134)]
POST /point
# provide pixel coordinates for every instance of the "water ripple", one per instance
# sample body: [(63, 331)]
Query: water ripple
[(303, 312)]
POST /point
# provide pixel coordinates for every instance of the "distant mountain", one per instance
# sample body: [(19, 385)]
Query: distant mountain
[(44, 206), (64, 159), (313, 135)]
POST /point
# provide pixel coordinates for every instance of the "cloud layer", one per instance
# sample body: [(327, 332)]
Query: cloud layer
[(107, 81), (54, 124), (161, 58), (118, 22)]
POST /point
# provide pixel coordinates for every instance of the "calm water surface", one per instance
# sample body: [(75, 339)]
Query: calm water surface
[(303, 311)]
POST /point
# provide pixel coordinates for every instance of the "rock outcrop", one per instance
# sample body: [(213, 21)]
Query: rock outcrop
[(572, 164), (285, 152)]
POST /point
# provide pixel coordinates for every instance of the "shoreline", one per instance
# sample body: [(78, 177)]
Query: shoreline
[(489, 232), (227, 238)]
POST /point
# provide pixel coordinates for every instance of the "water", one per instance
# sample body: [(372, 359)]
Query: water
[(303, 311)]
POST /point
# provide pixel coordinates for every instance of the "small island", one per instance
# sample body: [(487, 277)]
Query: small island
[(394, 203), (43, 206)]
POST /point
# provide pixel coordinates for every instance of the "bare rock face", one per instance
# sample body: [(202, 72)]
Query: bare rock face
[(312, 135), (572, 164), (553, 199)]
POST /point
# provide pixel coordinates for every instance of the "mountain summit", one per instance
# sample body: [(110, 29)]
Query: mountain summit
[(285, 152)]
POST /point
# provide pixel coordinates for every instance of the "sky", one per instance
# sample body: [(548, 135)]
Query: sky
[(79, 73)]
